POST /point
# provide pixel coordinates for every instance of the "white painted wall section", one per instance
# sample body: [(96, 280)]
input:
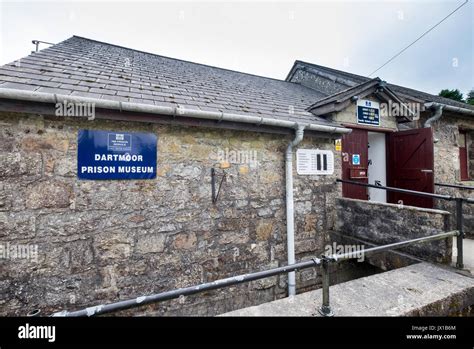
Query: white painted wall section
[(377, 166)]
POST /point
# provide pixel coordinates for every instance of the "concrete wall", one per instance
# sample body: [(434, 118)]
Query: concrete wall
[(422, 289), (103, 241), (388, 223)]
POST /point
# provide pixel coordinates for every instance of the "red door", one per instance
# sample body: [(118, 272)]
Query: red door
[(410, 165), (354, 147), (463, 156)]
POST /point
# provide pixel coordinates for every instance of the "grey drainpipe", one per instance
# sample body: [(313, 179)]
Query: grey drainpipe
[(436, 116), (290, 216)]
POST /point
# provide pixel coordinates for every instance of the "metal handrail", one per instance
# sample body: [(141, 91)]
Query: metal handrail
[(407, 191), (325, 309), (187, 291), (395, 245), (457, 186), (459, 209)]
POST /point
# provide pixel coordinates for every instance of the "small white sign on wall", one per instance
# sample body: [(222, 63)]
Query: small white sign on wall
[(314, 162)]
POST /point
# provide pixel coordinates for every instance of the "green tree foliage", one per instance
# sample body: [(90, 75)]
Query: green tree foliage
[(452, 94), (470, 97)]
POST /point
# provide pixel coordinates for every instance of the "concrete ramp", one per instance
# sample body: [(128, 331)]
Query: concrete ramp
[(417, 290)]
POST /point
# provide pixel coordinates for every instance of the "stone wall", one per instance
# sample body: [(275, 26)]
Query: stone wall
[(468, 209), (104, 241), (447, 166), (388, 223)]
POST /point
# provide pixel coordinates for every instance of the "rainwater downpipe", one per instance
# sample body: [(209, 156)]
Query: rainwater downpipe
[(436, 116), (290, 214)]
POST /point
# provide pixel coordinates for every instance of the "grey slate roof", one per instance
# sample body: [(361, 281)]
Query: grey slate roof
[(338, 80), (84, 67)]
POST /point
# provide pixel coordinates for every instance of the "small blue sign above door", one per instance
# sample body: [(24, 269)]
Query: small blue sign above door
[(116, 155)]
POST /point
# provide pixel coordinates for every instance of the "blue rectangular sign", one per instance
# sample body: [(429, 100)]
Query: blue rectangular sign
[(368, 113), (116, 155)]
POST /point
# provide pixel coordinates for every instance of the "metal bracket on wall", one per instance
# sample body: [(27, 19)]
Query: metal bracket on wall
[(215, 195)]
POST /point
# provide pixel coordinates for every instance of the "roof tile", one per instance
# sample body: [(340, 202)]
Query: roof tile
[(84, 67), (18, 86)]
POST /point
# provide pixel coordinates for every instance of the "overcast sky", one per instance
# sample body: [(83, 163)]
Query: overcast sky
[(266, 37)]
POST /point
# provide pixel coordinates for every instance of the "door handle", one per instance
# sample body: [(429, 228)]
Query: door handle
[(426, 170)]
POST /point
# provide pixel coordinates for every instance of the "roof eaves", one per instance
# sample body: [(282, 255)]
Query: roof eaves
[(291, 123), (343, 95), (342, 100), (410, 93)]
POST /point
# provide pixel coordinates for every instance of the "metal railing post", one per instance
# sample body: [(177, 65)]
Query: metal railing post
[(325, 309), (459, 226)]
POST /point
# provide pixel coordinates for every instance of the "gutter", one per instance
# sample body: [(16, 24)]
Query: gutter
[(450, 108), (162, 110), (290, 214)]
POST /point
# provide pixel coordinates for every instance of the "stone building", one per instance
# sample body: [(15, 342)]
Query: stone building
[(451, 140), (218, 196)]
